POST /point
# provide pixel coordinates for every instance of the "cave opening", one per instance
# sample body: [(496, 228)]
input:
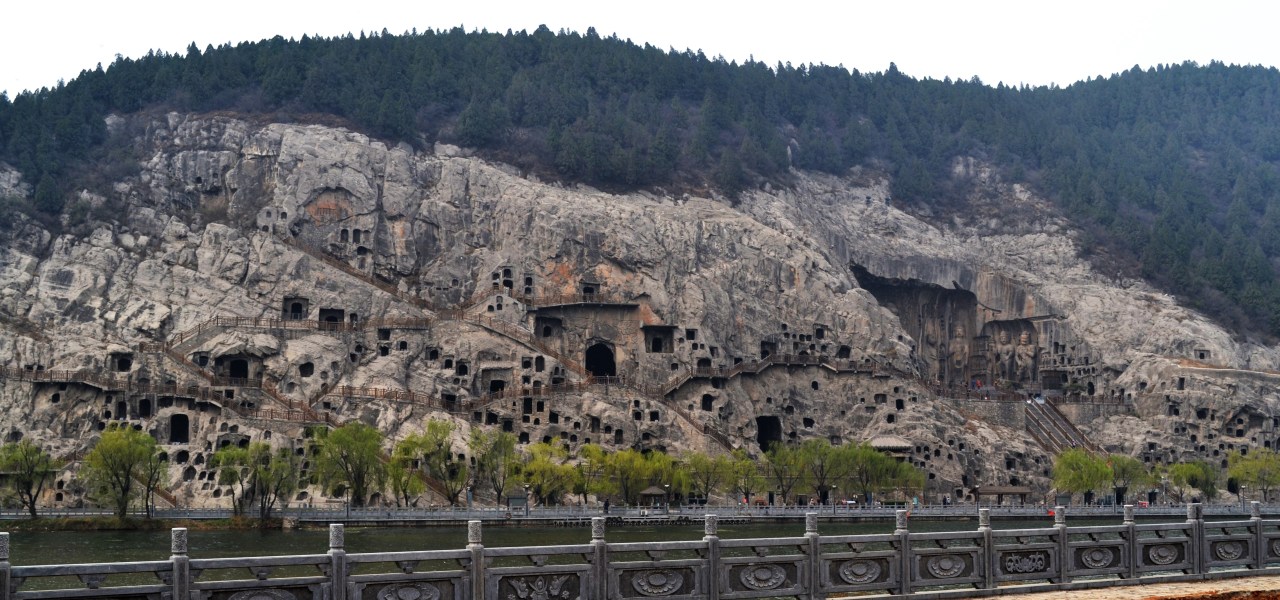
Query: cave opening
[(238, 369), (599, 361), (768, 431), (179, 429)]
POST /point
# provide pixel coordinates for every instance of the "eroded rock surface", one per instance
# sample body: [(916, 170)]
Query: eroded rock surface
[(263, 277)]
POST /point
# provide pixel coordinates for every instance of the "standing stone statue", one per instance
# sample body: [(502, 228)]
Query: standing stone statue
[(958, 352), (1025, 356), (1002, 356)]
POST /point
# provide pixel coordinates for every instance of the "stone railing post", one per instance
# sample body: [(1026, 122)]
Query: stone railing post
[(1131, 541), (988, 549), (1259, 540), (600, 558), (815, 556), (181, 563), (6, 591), (1196, 521), (904, 554), (337, 562), (711, 538), (476, 548), (1064, 546)]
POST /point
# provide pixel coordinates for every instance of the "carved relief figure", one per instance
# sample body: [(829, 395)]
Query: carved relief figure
[(1002, 356), (958, 351), (1026, 358)]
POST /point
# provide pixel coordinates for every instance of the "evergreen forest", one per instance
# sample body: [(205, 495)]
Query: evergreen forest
[(1172, 173)]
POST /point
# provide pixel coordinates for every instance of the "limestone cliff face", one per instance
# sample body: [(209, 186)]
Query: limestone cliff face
[(267, 276)]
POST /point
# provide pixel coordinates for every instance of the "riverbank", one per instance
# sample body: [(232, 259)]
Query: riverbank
[(104, 523), (197, 519), (97, 523)]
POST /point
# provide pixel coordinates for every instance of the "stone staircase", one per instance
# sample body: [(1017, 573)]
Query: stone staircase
[(1053, 430)]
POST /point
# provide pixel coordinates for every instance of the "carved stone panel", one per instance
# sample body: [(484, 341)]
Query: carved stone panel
[(409, 591), (947, 566), (1229, 550), (1021, 563), (1163, 554), (540, 587), (1099, 557), (860, 571), (266, 594), (761, 577), (659, 582)]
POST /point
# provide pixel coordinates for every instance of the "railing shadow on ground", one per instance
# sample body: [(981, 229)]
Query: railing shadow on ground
[(955, 564)]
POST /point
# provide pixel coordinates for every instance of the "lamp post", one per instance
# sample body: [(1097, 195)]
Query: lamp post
[(469, 500), (1242, 497), (526, 499), (666, 493), (1164, 489)]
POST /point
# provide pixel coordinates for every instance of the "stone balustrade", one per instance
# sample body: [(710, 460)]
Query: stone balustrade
[(810, 565)]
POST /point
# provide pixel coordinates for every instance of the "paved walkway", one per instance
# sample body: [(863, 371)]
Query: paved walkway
[(1245, 588)]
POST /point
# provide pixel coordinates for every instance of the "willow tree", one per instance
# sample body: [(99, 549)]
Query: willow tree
[(28, 468), (784, 468), (1260, 469), (402, 475), (744, 475), (1126, 472), (872, 471), (827, 465), (258, 474), (591, 473), (115, 466), (1197, 475), (433, 448), (548, 472), (1077, 471), (707, 474), (496, 459), (350, 458)]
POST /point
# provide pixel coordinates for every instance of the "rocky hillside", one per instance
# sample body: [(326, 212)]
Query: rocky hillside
[(252, 279)]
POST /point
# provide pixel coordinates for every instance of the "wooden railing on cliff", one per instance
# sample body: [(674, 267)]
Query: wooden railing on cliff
[(343, 392), (755, 367), (220, 323), (342, 265), (554, 300), (463, 406), (196, 393), (515, 333), (62, 376), (537, 301)]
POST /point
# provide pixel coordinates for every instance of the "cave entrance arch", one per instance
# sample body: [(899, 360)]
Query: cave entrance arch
[(599, 361), (179, 429), (768, 431), (238, 369)]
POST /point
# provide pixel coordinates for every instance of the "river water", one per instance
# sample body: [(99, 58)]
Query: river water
[(65, 547)]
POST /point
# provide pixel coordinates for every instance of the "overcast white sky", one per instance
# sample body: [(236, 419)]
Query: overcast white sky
[(1015, 41)]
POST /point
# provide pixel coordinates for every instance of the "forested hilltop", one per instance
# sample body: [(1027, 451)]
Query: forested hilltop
[(1171, 171)]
